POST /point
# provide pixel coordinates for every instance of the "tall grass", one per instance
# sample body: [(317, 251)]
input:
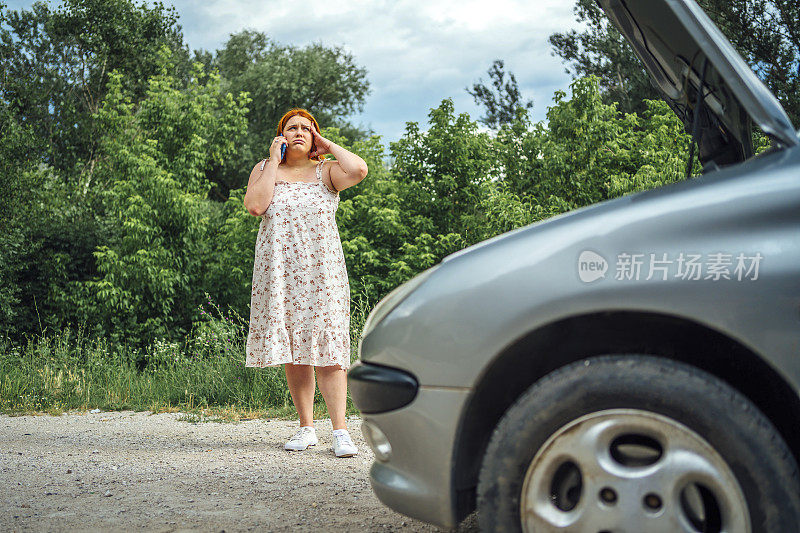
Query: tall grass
[(66, 370)]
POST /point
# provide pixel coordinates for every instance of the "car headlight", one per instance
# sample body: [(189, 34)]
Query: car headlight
[(377, 441), (391, 300)]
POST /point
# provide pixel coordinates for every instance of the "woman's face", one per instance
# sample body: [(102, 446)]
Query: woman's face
[(298, 134)]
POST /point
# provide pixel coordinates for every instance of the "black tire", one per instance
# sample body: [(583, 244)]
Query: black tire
[(745, 440)]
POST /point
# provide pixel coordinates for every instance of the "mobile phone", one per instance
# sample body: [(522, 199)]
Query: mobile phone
[(283, 156)]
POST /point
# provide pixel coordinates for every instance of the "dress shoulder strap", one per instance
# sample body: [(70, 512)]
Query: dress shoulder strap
[(319, 170)]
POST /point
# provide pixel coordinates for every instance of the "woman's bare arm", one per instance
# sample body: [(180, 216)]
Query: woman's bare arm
[(261, 186), (348, 169)]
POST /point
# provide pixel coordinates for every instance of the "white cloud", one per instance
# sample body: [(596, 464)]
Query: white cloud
[(416, 53)]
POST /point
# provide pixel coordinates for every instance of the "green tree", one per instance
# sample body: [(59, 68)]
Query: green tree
[(54, 67), (765, 32), (441, 171), (18, 184), (152, 268), (279, 77), (452, 185), (601, 51), (502, 100), (426, 205), (588, 152)]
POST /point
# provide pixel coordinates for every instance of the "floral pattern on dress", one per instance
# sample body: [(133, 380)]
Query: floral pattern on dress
[(300, 300)]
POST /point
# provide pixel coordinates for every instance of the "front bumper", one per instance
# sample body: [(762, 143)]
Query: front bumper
[(415, 479), (378, 388)]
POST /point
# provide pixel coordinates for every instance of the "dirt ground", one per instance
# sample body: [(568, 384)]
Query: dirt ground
[(125, 471)]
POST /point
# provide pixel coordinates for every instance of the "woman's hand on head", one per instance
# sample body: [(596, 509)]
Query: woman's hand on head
[(275, 147), (323, 145)]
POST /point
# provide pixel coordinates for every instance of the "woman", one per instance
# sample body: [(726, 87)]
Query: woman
[(300, 301)]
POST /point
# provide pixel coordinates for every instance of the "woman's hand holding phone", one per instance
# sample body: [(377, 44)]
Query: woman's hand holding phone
[(277, 149)]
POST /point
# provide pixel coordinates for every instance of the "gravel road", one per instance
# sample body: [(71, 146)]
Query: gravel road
[(124, 471)]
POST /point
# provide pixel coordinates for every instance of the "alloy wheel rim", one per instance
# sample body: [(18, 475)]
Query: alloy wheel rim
[(630, 470)]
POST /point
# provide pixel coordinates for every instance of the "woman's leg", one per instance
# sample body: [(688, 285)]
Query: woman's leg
[(333, 386), (301, 386)]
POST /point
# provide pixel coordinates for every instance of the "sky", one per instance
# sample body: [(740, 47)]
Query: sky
[(416, 52)]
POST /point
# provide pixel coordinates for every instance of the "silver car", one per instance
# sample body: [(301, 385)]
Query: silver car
[(629, 366)]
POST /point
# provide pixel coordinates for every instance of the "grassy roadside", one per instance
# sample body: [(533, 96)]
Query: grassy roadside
[(203, 376)]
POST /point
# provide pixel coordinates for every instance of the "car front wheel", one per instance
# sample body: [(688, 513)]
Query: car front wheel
[(636, 443)]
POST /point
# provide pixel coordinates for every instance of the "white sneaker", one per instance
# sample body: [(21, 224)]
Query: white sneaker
[(305, 437), (343, 445)]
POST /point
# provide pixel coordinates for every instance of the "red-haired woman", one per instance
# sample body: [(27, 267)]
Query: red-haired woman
[(300, 300)]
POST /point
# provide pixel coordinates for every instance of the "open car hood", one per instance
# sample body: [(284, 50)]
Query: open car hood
[(673, 38)]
